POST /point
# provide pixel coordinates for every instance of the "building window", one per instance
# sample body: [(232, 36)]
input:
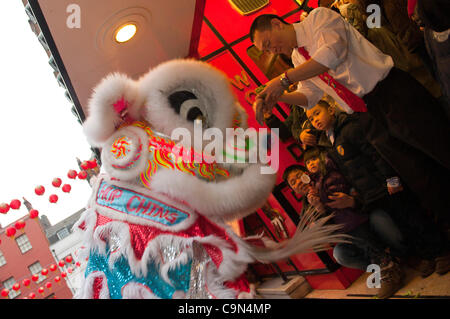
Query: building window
[(2, 259), (36, 269), (63, 233), (23, 243), (8, 284)]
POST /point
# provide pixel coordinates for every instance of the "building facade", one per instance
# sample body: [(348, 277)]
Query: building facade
[(28, 253)]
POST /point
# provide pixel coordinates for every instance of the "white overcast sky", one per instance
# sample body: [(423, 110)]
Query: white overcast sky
[(40, 137)]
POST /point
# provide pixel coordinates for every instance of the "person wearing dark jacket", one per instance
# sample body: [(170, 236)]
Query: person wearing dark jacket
[(378, 185), (367, 244)]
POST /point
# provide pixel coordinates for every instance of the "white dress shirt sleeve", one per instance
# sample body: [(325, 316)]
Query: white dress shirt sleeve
[(331, 38), (311, 91)]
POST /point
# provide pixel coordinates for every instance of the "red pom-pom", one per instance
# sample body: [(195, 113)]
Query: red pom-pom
[(66, 188), (72, 174), (39, 190), (15, 204), (10, 231), (34, 213), (56, 182), (4, 208), (53, 198), (82, 175)]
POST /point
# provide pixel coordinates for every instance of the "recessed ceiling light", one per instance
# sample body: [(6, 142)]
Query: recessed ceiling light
[(126, 32)]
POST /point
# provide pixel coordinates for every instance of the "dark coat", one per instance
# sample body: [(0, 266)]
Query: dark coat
[(357, 159), (332, 182)]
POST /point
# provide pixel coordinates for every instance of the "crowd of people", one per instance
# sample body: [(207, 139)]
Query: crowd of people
[(370, 106)]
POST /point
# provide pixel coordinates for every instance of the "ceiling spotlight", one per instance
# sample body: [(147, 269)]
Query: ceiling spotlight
[(125, 32)]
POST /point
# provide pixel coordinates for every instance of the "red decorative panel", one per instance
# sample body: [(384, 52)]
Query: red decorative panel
[(232, 25)]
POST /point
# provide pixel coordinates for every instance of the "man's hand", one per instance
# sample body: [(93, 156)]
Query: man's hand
[(262, 110), (341, 200), (273, 91), (307, 138)]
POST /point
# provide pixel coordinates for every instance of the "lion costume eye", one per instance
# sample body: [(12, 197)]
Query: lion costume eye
[(187, 105)]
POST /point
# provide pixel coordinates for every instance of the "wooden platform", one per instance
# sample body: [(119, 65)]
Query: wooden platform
[(432, 287)]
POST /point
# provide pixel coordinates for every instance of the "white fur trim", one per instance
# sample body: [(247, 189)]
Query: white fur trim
[(102, 119), (135, 290), (87, 289), (230, 199), (210, 85)]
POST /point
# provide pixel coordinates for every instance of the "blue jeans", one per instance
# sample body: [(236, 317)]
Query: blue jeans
[(370, 241)]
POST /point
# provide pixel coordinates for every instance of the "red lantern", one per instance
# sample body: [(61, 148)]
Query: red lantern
[(69, 259), (52, 267), (4, 208), (66, 188), (16, 286), (48, 285), (39, 190), (70, 270), (63, 274), (57, 279), (26, 282), (82, 175), (35, 277), (20, 224), (5, 293), (34, 213), (72, 174), (44, 272), (41, 290), (10, 232), (92, 163), (15, 204), (32, 295), (56, 182), (78, 264), (84, 165), (62, 263), (53, 198)]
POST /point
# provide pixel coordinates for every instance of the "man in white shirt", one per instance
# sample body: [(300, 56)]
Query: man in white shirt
[(403, 121)]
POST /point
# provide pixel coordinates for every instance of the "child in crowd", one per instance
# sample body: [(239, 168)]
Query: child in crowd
[(378, 186), (368, 245)]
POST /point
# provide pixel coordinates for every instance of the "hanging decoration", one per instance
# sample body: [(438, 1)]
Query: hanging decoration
[(66, 188), (56, 182), (61, 263), (4, 208), (72, 174), (15, 204), (5, 292), (26, 282), (16, 286), (35, 277), (44, 272), (82, 175), (53, 198), (53, 267), (39, 190), (34, 213), (32, 295), (20, 225), (10, 232)]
